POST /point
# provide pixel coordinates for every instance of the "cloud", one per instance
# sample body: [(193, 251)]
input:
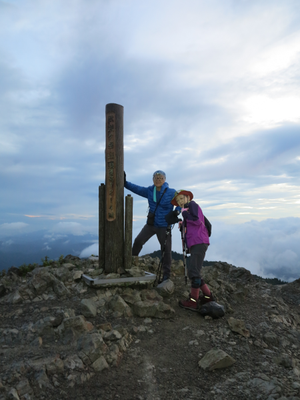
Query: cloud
[(7, 243), (88, 251), (73, 228), (268, 248), (12, 228)]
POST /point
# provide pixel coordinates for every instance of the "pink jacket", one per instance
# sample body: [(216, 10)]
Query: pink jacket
[(196, 232)]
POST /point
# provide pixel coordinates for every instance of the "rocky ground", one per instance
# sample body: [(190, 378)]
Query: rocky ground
[(62, 339)]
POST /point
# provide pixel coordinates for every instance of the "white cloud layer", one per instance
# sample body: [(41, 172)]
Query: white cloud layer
[(268, 248), (90, 250), (73, 228), (12, 228)]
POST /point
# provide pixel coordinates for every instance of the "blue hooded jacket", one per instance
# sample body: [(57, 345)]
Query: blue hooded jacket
[(149, 193)]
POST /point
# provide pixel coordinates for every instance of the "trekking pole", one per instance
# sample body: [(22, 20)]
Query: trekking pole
[(182, 228), (158, 276)]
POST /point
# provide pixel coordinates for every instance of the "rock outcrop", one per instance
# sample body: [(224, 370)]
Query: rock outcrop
[(57, 334)]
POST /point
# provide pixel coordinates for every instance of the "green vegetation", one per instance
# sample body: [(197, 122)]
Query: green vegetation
[(272, 281), (24, 269)]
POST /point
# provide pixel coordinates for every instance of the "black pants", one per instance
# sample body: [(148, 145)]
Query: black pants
[(195, 261), (146, 233)]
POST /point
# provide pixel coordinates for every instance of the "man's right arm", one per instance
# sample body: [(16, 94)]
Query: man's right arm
[(140, 190)]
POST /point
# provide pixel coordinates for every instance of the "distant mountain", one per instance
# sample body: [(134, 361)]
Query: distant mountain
[(33, 247)]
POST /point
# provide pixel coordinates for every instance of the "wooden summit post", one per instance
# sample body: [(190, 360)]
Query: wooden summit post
[(114, 189), (114, 253)]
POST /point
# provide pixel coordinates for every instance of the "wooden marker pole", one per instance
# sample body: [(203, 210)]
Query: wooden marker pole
[(128, 232), (101, 227), (114, 189)]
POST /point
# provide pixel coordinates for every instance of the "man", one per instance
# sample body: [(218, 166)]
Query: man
[(159, 197)]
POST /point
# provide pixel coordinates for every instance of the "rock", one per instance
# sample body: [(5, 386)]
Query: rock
[(154, 309), (237, 325), (100, 364), (43, 281), (117, 304), (48, 343), (88, 308), (77, 275), (55, 366), (135, 271), (284, 360), (37, 342), (165, 288), (63, 273), (13, 271), (150, 295), (23, 387), (73, 361), (14, 298), (265, 385), (72, 328), (45, 327), (216, 359), (112, 335), (71, 259), (91, 347), (95, 272), (69, 266), (271, 338), (13, 394), (2, 290), (42, 379), (131, 296)]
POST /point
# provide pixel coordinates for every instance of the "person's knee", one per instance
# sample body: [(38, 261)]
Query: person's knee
[(196, 283)]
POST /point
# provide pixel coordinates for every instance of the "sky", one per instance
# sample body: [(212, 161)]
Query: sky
[(210, 92)]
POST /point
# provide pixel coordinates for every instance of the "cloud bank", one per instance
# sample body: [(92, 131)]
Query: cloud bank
[(268, 248)]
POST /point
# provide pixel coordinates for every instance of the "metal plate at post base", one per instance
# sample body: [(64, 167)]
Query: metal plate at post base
[(95, 282)]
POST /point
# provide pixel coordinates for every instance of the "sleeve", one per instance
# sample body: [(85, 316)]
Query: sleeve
[(192, 214), (140, 190)]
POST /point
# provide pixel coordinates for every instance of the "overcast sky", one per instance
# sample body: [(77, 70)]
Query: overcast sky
[(210, 91)]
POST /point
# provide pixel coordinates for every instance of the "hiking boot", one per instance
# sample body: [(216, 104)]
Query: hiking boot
[(190, 304), (163, 279), (206, 299)]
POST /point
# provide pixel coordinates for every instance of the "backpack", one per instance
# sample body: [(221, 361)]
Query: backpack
[(207, 225)]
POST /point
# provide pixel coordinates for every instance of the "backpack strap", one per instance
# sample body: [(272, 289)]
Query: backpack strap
[(160, 199)]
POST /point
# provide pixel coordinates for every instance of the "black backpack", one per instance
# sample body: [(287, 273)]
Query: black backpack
[(207, 225)]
